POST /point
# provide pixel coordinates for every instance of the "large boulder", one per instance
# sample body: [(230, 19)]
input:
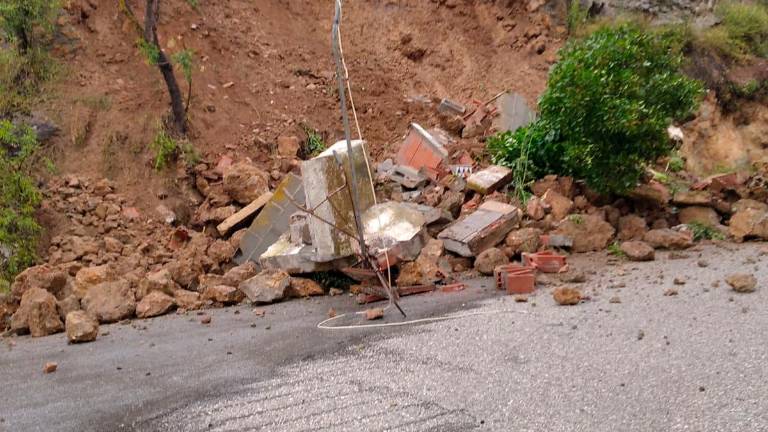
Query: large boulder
[(110, 301), (90, 276), (638, 250), (224, 294), (236, 275), (220, 251), (667, 238), (266, 287), (431, 262), (81, 327), (160, 280), (698, 214), (489, 259), (302, 287), (66, 305), (245, 182), (524, 240), (155, 304), (37, 314), (632, 227), (410, 274), (43, 277), (653, 192), (588, 232), (188, 300), (560, 206), (749, 221)]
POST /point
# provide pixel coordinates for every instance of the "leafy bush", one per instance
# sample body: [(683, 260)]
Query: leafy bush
[(28, 23), (705, 232), (19, 197), (605, 111), (743, 31)]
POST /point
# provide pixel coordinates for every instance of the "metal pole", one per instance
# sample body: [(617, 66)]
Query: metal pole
[(340, 77)]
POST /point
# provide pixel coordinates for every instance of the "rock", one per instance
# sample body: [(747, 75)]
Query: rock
[(746, 204), (188, 300), (410, 275), (489, 259), (224, 294), (113, 245), (288, 146), (205, 320), (238, 274), (43, 276), (632, 227), (160, 280), (245, 182), (302, 287), (638, 250), (694, 197), (433, 267), (110, 301), (748, 222), (221, 251), (703, 215), (560, 205), (562, 185), (667, 238), (185, 270), (653, 192), (452, 202), (37, 314), (524, 240), (565, 296), (155, 304), (374, 314), (679, 281), (266, 287), (534, 209), (166, 215), (742, 283), (50, 367), (91, 276), (67, 305), (81, 327), (588, 232), (333, 292)]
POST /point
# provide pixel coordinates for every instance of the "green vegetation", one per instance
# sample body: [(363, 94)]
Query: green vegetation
[(314, 145), (19, 197), (615, 250), (743, 32), (577, 16), (165, 148), (705, 232), (676, 163), (605, 111)]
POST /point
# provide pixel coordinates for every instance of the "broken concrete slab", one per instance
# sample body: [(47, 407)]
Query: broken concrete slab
[(266, 287), (299, 229), (514, 112), (408, 177), (421, 150), (245, 213), (480, 230), (489, 179), (395, 229), (323, 179), (298, 259), (273, 220), (448, 106)]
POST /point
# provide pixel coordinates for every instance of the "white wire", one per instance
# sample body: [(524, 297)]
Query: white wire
[(323, 325)]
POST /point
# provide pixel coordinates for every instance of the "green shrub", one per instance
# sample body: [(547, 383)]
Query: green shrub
[(28, 23), (166, 149), (742, 33), (705, 232), (19, 197), (605, 111)]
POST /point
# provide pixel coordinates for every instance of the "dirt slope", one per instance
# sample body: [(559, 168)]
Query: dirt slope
[(264, 67)]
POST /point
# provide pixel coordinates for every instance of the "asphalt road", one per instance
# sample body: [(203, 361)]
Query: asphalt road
[(695, 361)]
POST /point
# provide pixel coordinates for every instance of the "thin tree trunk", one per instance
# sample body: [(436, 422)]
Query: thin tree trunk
[(166, 68)]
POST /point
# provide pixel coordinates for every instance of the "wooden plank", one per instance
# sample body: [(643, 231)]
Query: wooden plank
[(244, 213)]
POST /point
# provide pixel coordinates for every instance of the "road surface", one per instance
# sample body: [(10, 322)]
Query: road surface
[(695, 361)]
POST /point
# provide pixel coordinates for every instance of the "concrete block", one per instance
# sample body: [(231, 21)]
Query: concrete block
[(408, 177), (395, 229), (489, 179), (480, 230), (273, 220), (513, 113), (448, 106), (293, 259), (322, 176)]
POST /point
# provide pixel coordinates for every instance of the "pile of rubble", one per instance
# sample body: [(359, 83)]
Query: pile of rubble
[(428, 215)]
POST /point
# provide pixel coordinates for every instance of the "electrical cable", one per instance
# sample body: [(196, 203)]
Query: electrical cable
[(323, 325)]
